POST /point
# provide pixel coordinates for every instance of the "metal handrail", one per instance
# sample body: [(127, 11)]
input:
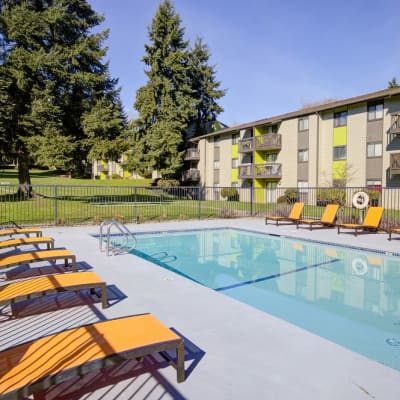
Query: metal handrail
[(128, 244)]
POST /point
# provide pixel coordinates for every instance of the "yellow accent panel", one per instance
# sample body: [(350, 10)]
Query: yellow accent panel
[(235, 151), (104, 163), (126, 174), (258, 158), (339, 169), (340, 136), (234, 175), (259, 194), (103, 175), (257, 131)]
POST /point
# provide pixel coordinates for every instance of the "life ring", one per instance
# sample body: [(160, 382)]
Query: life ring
[(359, 266), (360, 200)]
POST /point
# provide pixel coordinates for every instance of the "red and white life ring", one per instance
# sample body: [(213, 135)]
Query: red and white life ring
[(360, 200)]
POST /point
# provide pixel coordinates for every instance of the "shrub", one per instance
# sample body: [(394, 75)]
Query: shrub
[(290, 196), (231, 194), (167, 182), (115, 176), (331, 196)]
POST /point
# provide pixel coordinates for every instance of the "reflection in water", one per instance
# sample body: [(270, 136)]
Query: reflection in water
[(347, 296)]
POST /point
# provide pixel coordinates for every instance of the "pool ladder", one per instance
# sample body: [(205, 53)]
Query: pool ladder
[(125, 242)]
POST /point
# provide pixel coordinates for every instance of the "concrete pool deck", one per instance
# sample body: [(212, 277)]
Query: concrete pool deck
[(233, 351)]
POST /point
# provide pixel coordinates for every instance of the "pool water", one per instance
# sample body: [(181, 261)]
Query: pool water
[(348, 296)]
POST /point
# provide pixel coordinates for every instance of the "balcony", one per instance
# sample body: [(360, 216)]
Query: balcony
[(269, 141), (246, 171), (395, 164), (192, 175), (395, 125), (192, 154), (246, 145), (268, 171)]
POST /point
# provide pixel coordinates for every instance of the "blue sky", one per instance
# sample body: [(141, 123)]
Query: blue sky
[(272, 57)]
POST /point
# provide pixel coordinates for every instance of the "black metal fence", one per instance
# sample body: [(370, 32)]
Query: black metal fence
[(67, 204)]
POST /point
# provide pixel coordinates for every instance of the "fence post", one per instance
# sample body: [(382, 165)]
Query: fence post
[(251, 200), (135, 212), (199, 200), (55, 205)]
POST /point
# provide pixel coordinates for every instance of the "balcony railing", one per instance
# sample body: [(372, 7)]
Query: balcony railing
[(246, 171), (191, 175), (268, 171), (269, 141), (395, 164), (246, 145), (192, 154), (395, 124)]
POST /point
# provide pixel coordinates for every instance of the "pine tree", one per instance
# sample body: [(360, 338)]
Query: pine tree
[(165, 103), (393, 83), (54, 84), (205, 89)]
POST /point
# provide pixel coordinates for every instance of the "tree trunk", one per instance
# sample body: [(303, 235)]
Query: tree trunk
[(24, 179)]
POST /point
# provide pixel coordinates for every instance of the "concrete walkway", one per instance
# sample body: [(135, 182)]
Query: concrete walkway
[(233, 351)]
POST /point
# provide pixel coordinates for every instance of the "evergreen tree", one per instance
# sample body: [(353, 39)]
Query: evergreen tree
[(165, 103), (393, 83), (61, 102), (205, 90)]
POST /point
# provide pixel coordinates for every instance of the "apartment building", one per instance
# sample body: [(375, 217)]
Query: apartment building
[(351, 142)]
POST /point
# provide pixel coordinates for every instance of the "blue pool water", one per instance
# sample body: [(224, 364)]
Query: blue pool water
[(350, 297)]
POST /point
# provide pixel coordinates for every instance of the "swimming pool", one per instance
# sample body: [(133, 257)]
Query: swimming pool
[(348, 296)]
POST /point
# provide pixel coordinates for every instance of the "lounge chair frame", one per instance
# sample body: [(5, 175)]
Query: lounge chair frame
[(49, 284), (35, 366), (294, 215), (20, 231), (34, 240), (365, 226), (327, 219), (36, 256)]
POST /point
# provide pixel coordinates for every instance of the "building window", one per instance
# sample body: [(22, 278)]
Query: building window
[(216, 164), (302, 186), (235, 184), (217, 140), (375, 111), (271, 129), (270, 157), (235, 138), (235, 162), (374, 150), (303, 124), (303, 155), (340, 118), (339, 153), (374, 184)]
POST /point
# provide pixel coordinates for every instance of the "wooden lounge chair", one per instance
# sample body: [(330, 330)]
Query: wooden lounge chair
[(328, 217), (20, 231), (34, 366), (38, 287), (293, 216), (28, 240), (36, 256), (371, 221)]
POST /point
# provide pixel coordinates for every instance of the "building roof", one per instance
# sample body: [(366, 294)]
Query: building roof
[(379, 95)]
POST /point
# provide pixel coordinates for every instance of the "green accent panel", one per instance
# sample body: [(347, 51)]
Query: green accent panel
[(339, 169), (258, 157), (258, 131), (259, 194), (340, 136), (234, 175), (235, 151)]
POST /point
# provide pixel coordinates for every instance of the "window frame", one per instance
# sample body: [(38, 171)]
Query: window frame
[(303, 151), (374, 144), (340, 118), (374, 111), (300, 126), (335, 157), (235, 138)]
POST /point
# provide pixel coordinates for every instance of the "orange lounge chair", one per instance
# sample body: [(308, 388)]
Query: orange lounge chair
[(28, 240), (328, 217), (40, 255), (294, 215), (38, 287), (371, 221), (20, 231), (35, 366)]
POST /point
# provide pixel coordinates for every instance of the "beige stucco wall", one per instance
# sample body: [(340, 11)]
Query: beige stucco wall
[(356, 145), (325, 149), (288, 154)]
